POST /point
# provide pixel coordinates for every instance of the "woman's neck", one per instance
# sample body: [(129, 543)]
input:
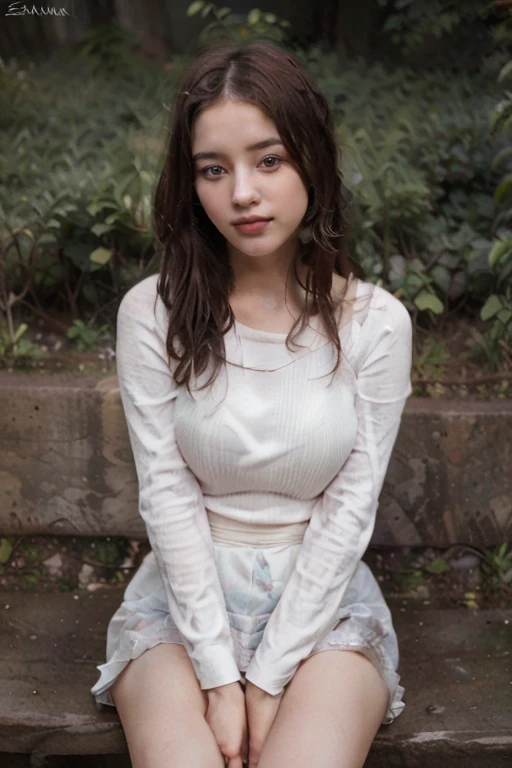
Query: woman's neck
[(274, 291)]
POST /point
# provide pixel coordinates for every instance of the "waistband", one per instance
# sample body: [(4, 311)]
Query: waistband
[(235, 533)]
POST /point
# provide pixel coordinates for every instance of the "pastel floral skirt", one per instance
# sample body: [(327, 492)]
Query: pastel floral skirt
[(252, 579)]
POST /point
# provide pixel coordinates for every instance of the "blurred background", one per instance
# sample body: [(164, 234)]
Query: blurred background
[(420, 93)]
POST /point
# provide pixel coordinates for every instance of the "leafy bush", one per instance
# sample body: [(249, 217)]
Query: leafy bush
[(495, 346), (443, 31), (416, 154), (107, 47), (78, 157), (84, 336), (79, 166), (239, 28)]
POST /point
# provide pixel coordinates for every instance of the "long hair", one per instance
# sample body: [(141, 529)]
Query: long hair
[(196, 277)]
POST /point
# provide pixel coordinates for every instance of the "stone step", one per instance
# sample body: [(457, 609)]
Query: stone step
[(66, 466), (455, 667)]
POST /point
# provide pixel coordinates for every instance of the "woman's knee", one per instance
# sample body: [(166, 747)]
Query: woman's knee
[(162, 672), (162, 711), (329, 714)]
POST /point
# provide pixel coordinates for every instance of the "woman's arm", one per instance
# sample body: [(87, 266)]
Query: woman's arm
[(343, 518), (170, 499)]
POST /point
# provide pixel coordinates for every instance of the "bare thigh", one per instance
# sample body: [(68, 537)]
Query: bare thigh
[(329, 714), (162, 709)]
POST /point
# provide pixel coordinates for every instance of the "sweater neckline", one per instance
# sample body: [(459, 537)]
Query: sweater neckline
[(256, 333), (248, 332)]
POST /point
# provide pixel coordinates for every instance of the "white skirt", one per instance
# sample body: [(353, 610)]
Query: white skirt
[(252, 578)]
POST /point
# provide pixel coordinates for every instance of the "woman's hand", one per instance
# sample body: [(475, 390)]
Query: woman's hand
[(227, 719), (261, 712)]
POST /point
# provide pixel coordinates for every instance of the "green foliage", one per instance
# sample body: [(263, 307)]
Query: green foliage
[(495, 345), (106, 551), (430, 359), (238, 27), (15, 89), (107, 47), (5, 550), (415, 154), (492, 347), (437, 566), (497, 566), (407, 582), (118, 578), (413, 23), (80, 152), (13, 347), (85, 337), (79, 155), (67, 584)]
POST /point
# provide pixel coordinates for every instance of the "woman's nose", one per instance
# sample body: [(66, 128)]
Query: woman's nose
[(244, 189)]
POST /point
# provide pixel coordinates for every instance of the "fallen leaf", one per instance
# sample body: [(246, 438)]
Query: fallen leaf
[(439, 565), (5, 550)]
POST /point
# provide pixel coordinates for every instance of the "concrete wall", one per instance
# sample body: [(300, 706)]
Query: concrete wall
[(66, 466)]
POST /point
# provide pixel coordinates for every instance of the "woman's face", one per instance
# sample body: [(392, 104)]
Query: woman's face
[(239, 179)]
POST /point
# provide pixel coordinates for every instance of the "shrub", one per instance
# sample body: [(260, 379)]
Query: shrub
[(79, 167)]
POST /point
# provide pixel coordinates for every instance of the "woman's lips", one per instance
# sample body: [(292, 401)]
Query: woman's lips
[(253, 227)]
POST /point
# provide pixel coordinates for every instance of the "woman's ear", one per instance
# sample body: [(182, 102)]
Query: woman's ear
[(312, 207), (306, 234)]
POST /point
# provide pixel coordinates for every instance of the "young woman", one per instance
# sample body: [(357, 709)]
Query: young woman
[(263, 382)]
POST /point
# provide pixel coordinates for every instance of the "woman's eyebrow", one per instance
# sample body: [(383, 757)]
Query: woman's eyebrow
[(215, 155)]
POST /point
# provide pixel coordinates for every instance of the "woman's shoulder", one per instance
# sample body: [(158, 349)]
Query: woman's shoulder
[(143, 303), (389, 309), (142, 310), (369, 303), (371, 317), (141, 294)]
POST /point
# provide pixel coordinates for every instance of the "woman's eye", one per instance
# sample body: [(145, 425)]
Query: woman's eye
[(271, 157), (211, 170), (205, 171)]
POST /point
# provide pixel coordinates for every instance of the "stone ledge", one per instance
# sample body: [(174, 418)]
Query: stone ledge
[(455, 667), (66, 466)]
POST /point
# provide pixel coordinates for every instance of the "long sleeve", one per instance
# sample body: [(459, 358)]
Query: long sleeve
[(343, 517), (170, 498)]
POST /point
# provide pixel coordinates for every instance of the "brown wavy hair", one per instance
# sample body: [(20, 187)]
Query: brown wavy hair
[(196, 277)]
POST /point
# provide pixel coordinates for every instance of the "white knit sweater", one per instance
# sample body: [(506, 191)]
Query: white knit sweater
[(281, 446)]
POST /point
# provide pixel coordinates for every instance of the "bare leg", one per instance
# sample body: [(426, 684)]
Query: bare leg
[(329, 714), (162, 711)]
